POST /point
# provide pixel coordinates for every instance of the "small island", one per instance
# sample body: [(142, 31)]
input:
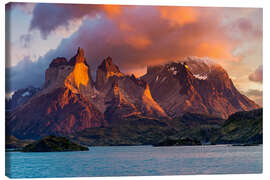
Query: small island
[(53, 144), (178, 142)]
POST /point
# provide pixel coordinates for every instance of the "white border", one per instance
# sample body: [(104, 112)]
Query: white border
[(218, 3)]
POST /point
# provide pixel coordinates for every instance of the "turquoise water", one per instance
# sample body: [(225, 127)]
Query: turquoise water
[(136, 160)]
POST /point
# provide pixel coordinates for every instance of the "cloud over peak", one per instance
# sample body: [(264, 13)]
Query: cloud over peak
[(137, 36)]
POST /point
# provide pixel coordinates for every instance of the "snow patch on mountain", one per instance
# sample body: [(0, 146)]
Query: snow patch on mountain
[(201, 77), (27, 93), (172, 68)]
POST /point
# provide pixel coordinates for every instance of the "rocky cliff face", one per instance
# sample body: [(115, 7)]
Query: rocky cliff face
[(59, 112), (107, 70), (74, 74), (70, 101), (129, 96), (195, 85), (62, 106)]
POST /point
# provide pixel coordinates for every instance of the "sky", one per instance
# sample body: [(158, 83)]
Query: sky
[(135, 37)]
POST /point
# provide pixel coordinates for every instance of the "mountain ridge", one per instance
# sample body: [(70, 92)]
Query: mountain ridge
[(214, 94), (71, 101)]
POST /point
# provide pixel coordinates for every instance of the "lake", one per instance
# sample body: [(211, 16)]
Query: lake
[(136, 161)]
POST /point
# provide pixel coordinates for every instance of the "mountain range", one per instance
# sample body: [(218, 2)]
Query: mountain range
[(71, 101)]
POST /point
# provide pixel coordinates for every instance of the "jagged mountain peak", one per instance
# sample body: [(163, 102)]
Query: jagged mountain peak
[(80, 52), (60, 61), (190, 68), (108, 60), (202, 67), (105, 71), (80, 75), (78, 58), (178, 71), (108, 65), (132, 76)]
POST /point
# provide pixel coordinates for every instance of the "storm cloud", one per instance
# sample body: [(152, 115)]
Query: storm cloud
[(48, 17)]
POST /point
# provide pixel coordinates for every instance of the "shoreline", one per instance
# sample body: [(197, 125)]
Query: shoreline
[(231, 145)]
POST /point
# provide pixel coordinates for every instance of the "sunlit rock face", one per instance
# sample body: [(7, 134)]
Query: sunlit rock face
[(79, 80), (74, 74), (130, 96)]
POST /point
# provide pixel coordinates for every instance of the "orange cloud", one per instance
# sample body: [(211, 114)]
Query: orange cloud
[(216, 50), (178, 15), (112, 10), (138, 42), (137, 71), (137, 36), (125, 27)]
